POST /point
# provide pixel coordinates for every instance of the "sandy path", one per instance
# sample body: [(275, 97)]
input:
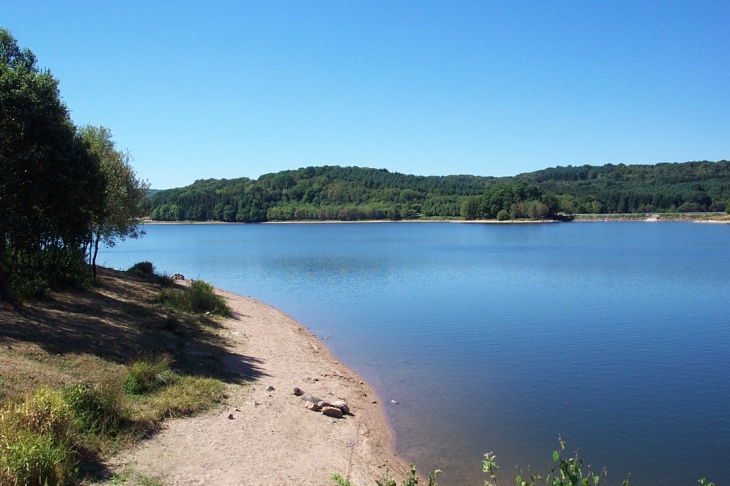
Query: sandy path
[(273, 439)]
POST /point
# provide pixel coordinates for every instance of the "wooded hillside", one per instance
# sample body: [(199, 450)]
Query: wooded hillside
[(354, 193)]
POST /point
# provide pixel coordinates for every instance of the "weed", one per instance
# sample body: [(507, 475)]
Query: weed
[(36, 441), (410, 480), (98, 409), (198, 298), (189, 396), (148, 373)]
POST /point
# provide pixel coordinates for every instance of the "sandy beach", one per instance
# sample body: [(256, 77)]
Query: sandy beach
[(268, 437)]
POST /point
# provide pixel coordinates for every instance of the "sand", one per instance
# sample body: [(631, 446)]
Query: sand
[(272, 439)]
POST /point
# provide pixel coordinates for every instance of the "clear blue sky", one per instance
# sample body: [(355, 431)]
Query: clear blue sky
[(229, 89)]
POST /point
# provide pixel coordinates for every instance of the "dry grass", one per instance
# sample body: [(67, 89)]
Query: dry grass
[(94, 336)]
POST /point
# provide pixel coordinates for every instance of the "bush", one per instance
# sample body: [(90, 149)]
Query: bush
[(96, 409), (198, 298), (148, 373), (142, 269), (36, 441), (502, 215)]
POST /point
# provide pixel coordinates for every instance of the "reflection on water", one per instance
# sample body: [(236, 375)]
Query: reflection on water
[(502, 337)]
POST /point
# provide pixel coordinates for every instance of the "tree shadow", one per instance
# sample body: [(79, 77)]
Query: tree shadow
[(120, 321)]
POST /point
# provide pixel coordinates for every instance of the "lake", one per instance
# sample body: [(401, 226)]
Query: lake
[(615, 336)]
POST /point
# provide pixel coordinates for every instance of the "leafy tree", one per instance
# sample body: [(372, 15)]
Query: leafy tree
[(48, 180), (123, 193)]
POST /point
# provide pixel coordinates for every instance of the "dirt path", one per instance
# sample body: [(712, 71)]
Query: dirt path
[(272, 438)]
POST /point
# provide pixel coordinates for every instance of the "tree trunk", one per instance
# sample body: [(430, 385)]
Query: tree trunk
[(96, 252)]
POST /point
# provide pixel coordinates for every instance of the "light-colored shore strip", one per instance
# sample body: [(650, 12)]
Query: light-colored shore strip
[(272, 439)]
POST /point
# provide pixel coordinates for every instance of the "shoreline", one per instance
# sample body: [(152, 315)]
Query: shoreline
[(267, 436), (597, 218)]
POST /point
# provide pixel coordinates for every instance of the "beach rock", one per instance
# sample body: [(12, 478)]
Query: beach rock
[(297, 391), (322, 403), (331, 411), (309, 398), (269, 388), (342, 406), (230, 416), (312, 406)]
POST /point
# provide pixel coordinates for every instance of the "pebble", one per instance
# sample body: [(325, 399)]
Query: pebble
[(230, 416), (269, 388), (394, 402), (297, 391)]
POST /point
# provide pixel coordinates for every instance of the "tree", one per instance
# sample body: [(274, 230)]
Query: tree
[(48, 181), (122, 196)]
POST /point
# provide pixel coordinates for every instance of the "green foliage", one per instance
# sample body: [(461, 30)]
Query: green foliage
[(142, 269), (410, 480), (489, 466), (198, 298), (115, 218), (569, 471), (354, 194), (148, 373), (50, 184), (96, 409), (41, 438), (36, 441)]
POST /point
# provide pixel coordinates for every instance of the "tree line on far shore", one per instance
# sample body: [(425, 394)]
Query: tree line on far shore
[(64, 190), (355, 193)]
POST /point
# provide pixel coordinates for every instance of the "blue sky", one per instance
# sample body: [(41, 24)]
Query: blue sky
[(230, 89)]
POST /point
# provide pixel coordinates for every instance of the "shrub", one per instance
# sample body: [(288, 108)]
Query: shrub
[(142, 269), (36, 441), (198, 298), (96, 409), (148, 373)]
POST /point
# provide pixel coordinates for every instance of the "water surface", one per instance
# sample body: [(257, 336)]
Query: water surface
[(502, 337)]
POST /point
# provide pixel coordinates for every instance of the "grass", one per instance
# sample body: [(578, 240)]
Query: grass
[(148, 373), (87, 372), (198, 298)]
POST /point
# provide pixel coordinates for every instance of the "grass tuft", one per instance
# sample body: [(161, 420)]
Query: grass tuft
[(198, 298), (149, 373), (36, 441), (97, 409)]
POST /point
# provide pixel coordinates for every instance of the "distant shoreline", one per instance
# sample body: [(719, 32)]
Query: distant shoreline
[(597, 218)]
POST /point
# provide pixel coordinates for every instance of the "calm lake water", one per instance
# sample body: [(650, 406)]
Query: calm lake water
[(615, 336)]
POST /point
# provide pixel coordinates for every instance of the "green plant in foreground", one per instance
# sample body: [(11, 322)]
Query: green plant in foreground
[(36, 441), (97, 409), (569, 472), (410, 480)]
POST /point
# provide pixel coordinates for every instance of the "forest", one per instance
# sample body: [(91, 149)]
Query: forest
[(355, 193)]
